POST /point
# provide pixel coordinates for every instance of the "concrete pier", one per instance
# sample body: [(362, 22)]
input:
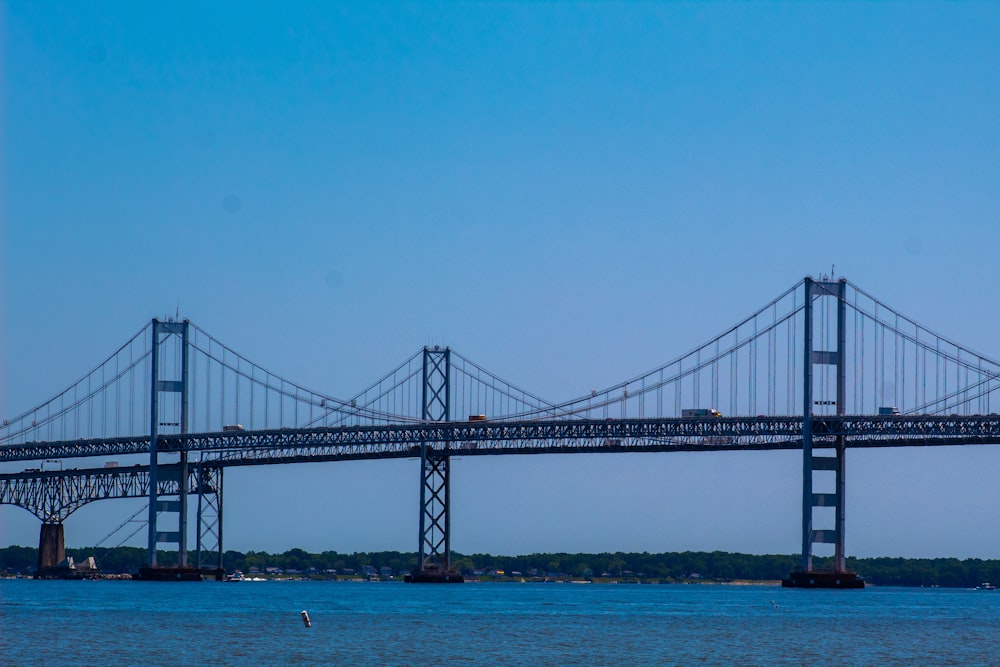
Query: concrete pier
[(51, 547)]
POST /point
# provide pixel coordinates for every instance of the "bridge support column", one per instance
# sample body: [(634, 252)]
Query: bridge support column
[(209, 537), (434, 546), (51, 547), (825, 456), (168, 412)]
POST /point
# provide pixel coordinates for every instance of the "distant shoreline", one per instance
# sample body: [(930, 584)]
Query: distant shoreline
[(687, 567)]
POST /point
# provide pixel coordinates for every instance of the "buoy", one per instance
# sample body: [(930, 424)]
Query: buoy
[(305, 619)]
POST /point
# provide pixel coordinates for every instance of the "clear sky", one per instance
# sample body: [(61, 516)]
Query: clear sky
[(568, 194)]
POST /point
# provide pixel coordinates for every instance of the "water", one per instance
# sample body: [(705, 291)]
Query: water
[(212, 623)]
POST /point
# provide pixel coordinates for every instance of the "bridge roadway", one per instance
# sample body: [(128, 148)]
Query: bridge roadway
[(235, 448)]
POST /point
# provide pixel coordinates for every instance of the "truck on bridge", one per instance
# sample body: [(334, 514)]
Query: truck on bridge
[(700, 412)]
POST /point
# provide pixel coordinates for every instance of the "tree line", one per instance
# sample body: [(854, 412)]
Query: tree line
[(684, 566)]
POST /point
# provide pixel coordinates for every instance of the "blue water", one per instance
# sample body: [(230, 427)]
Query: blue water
[(246, 623)]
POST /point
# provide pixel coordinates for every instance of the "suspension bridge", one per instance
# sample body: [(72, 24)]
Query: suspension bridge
[(822, 368)]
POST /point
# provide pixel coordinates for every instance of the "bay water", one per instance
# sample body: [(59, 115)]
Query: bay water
[(111, 623)]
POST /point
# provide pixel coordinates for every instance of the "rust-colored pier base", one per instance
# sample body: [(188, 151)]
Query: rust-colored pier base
[(51, 548)]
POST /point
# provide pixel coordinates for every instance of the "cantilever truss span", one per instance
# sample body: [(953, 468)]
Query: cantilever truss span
[(55, 494)]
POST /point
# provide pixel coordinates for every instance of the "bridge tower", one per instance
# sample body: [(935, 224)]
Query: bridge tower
[(434, 550), (823, 456), (168, 401)]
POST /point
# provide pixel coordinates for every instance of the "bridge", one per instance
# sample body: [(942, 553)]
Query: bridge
[(822, 368)]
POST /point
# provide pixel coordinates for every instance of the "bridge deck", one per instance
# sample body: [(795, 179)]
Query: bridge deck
[(534, 437)]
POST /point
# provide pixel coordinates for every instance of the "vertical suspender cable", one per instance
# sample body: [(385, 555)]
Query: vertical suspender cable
[(192, 417), (131, 391), (941, 401), (237, 419), (771, 353), (856, 370), (923, 375), (696, 379), (222, 388), (752, 378), (937, 369), (979, 380), (659, 396), (879, 363), (900, 376), (118, 397), (733, 375), (145, 380), (715, 376), (793, 333)]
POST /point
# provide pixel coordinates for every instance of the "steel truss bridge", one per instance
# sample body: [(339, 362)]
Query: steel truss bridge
[(823, 368)]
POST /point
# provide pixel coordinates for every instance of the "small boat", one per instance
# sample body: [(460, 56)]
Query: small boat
[(986, 586), (235, 576)]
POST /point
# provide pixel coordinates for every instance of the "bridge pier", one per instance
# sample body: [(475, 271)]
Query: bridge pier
[(434, 555), (51, 547), (824, 456), (209, 517)]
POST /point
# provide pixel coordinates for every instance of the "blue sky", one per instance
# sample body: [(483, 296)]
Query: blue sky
[(569, 194)]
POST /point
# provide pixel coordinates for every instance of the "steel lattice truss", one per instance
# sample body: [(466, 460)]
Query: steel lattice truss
[(434, 548), (53, 495), (38, 451), (537, 437)]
